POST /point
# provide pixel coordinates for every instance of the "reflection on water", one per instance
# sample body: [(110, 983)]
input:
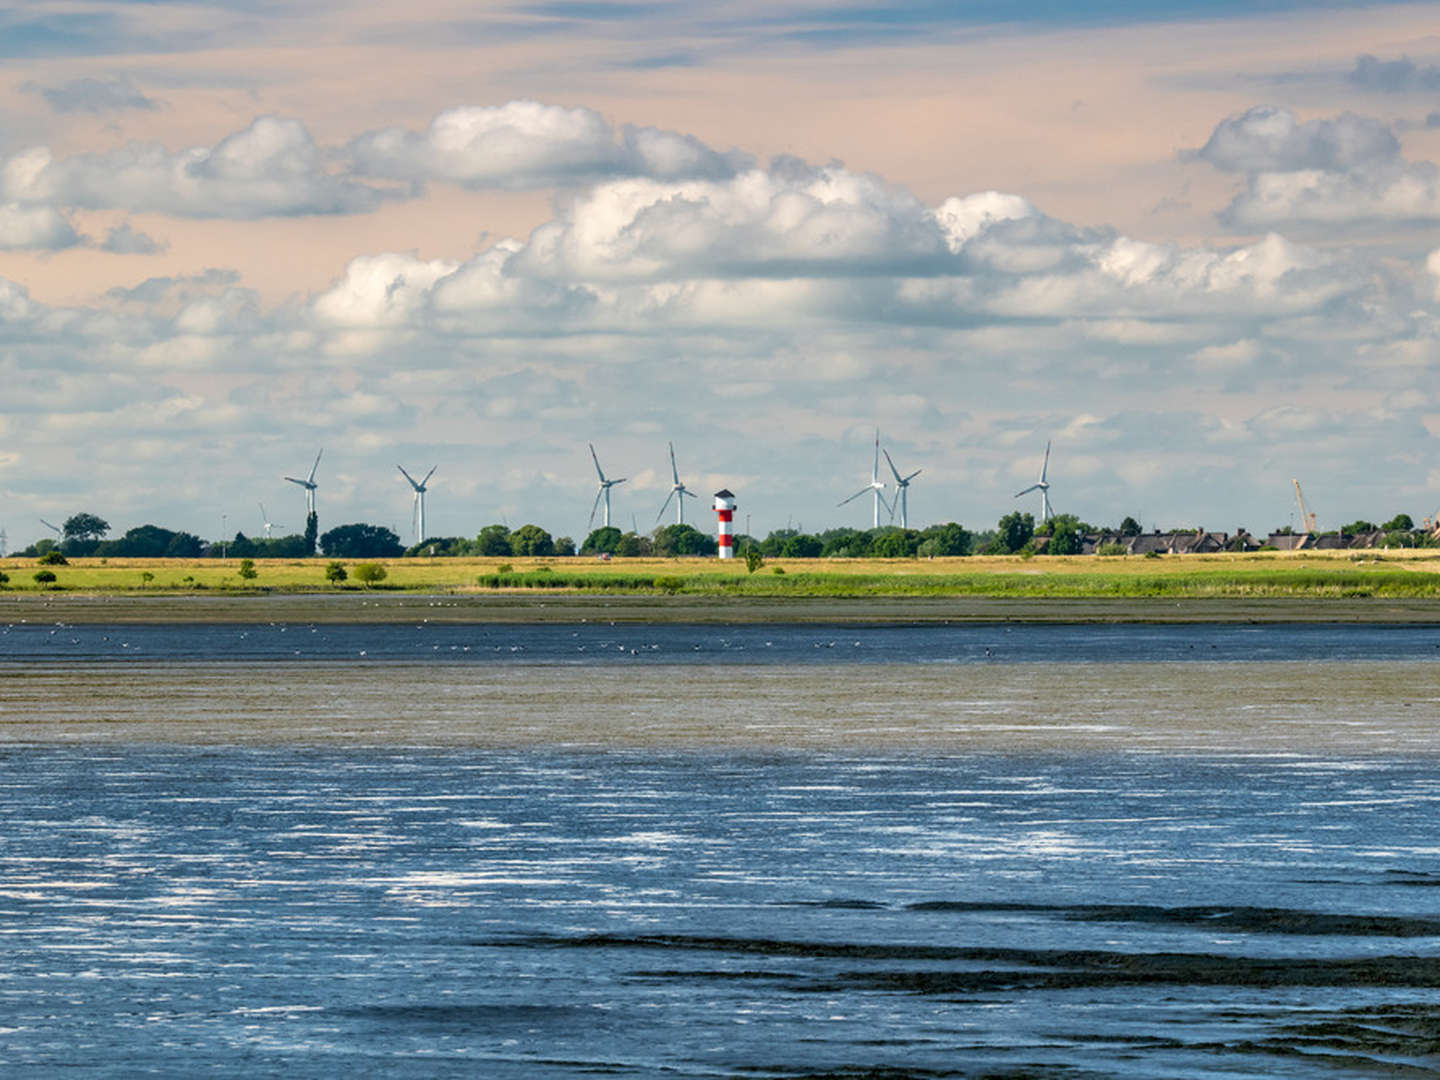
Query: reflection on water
[(1171, 868)]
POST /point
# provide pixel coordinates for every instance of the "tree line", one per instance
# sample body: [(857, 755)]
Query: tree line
[(85, 534)]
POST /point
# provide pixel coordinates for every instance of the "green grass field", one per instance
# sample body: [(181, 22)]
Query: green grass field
[(1339, 574)]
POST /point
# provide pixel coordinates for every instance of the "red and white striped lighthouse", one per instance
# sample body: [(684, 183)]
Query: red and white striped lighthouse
[(725, 510)]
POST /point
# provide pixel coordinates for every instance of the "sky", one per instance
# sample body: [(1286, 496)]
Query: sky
[(1193, 246)]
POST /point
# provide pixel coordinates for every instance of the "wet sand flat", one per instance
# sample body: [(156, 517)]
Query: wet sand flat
[(1334, 708), (559, 608)]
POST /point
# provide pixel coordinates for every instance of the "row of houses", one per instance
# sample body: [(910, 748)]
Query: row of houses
[(1202, 542)]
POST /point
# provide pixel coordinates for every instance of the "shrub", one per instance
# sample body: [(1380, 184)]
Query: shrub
[(369, 573), (778, 570), (753, 559), (1111, 549), (4, 578), (54, 558), (335, 573), (146, 577), (247, 569), (505, 568), (45, 577)]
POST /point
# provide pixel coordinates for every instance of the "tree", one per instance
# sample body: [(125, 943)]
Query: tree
[(1013, 532), (1399, 523), (493, 541), (949, 539), (1358, 526), (84, 529), (1065, 536), (802, 546), (1130, 527), (247, 570), (45, 577), (184, 545), (312, 529), (361, 541), (564, 545), (683, 540), (602, 541), (369, 573), (632, 546), (774, 544), (753, 559), (845, 543), (335, 573), (531, 540), (895, 544)]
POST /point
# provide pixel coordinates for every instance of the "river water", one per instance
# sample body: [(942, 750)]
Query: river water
[(760, 852)]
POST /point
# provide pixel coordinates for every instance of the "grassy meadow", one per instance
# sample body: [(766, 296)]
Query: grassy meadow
[(1391, 574)]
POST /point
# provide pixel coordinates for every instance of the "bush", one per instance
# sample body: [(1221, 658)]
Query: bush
[(335, 573), (45, 577), (1111, 549), (369, 573), (4, 578), (247, 569), (54, 558), (753, 559)]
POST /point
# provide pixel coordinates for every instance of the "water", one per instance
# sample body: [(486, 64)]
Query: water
[(1099, 854)]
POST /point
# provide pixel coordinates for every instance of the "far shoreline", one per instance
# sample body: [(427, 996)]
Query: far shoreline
[(382, 607)]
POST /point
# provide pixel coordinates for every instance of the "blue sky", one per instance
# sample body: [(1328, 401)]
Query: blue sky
[(1193, 246)]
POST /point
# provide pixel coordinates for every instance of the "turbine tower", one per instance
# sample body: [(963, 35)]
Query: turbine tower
[(603, 492), (265, 519), (902, 486), (1042, 486), (3, 540), (876, 485), (678, 491), (309, 485), (417, 515)]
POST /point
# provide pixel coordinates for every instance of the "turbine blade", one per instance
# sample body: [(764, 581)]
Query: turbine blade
[(857, 494), (316, 465), (1045, 465), (663, 507), (875, 472), (428, 475), (892, 467), (674, 472), (620, 481), (302, 483), (912, 476), (407, 476), (597, 463), (1032, 487), (596, 506)]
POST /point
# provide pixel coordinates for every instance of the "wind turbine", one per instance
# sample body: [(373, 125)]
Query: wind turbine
[(1042, 486), (902, 484), (264, 517), (876, 485), (309, 485), (418, 514), (603, 492), (678, 492), (53, 528)]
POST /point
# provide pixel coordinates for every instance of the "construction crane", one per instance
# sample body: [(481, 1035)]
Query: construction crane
[(1307, 519)]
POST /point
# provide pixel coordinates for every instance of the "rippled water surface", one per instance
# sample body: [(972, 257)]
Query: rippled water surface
[(1081, 859)]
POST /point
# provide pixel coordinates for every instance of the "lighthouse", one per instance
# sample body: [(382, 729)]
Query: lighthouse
[(725, 511)]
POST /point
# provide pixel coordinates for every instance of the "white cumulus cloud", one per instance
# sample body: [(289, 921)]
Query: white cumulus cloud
[(527, 144)]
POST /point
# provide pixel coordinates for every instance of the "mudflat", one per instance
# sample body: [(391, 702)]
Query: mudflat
[(380, 607)]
